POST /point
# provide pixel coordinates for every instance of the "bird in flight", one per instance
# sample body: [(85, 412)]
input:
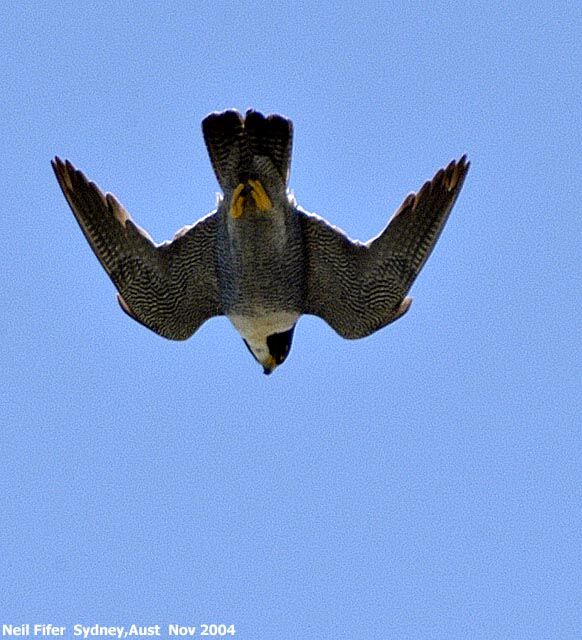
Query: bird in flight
[(259, 259)]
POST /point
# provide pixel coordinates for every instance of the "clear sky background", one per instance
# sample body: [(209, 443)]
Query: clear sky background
[(421, 483)]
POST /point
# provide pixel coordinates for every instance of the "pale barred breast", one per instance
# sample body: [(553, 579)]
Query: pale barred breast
[(255, 329)]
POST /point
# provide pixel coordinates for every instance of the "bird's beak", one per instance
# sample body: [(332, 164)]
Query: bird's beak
[(269, 365)]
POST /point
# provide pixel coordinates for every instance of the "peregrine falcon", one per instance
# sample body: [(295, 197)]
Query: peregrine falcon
[(259, 259)]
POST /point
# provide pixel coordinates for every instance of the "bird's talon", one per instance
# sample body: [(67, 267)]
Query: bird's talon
[(260, 196), (238, 202)]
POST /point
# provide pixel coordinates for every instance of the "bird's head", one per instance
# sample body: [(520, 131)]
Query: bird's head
[(272, 351)]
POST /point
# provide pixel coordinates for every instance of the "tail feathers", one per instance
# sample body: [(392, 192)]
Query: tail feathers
[(226, 141), (251, 146), (271, 137)]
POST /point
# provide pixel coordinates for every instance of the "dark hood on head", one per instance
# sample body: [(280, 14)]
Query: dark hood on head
[(280, 344)]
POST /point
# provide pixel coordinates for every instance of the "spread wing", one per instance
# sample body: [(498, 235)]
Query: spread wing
[(359, 288), (170, 288)]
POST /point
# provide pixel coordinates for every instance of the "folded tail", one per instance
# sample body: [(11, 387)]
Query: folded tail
[(253, 146)]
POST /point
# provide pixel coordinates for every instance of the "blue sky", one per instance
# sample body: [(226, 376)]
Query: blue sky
[(421, 483)]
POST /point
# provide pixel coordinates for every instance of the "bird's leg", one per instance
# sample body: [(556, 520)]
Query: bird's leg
[(256, 191), (237, 204), (260, 196)]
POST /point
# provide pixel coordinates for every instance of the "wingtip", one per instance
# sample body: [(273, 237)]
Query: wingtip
[(450, 177), (58, 164), (64, 172), (64, 166), (453, 176), (464, 163)]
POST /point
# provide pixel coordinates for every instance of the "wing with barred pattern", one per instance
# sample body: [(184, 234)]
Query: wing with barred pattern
[(359, 288), (170, 288)]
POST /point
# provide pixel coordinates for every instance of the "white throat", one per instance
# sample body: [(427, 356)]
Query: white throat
[(255, 329)]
